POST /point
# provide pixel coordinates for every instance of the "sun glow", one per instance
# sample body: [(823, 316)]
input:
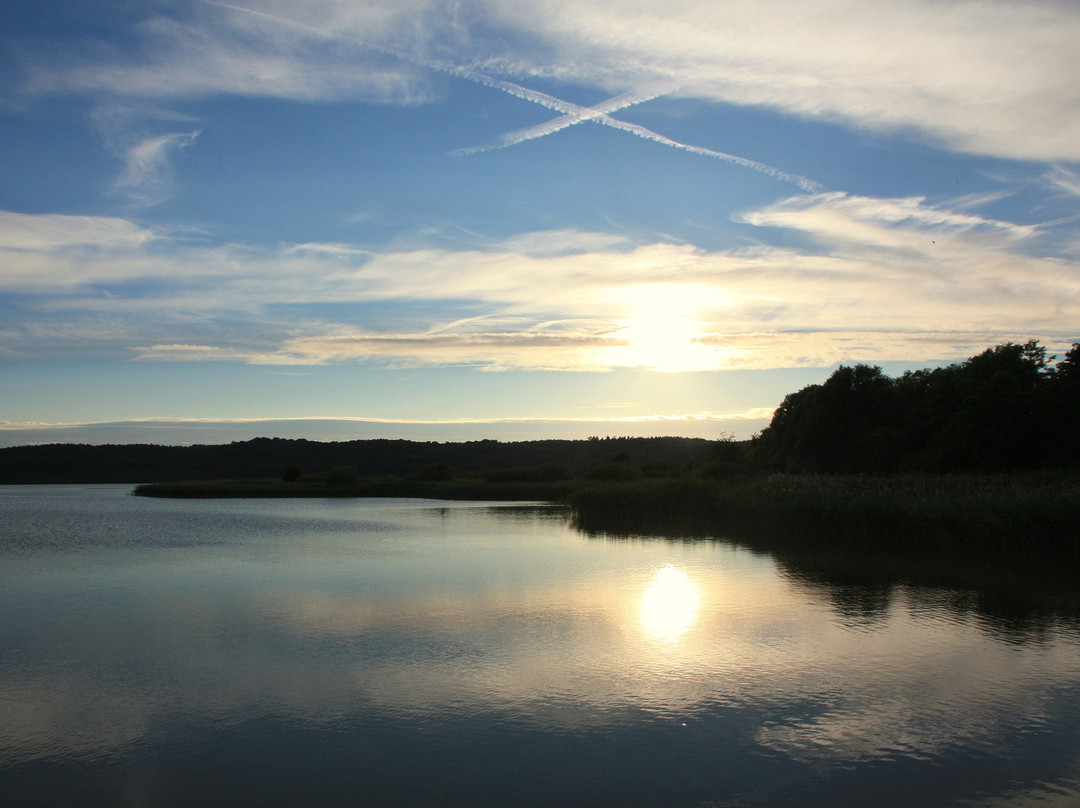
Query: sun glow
[(662, 331), (669, 606)]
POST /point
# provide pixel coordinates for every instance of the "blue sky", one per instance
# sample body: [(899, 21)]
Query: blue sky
[(512, 219)]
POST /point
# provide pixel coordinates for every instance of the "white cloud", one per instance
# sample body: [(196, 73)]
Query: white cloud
[(987, 76), (881, 279), (147, 174), (1064, 180), (229, 51), (839, 218), (132, 133), (54, 232), (992, 77)]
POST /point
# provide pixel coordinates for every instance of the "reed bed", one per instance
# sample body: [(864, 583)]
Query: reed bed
[(456, 489), (1018, 510), (1015, 510)]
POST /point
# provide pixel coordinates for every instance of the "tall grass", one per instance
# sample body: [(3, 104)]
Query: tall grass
[(1036, 510), (1019, 510), (458, 489)]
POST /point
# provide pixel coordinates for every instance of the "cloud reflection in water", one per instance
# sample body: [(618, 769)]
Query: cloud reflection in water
[(362, 651)]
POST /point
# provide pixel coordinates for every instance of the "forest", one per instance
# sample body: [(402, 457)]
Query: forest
[(1010, 408), (275, 458)]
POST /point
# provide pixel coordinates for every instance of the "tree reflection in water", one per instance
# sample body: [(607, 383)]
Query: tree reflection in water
[(1015, 595)]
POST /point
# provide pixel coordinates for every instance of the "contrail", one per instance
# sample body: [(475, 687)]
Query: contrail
[(273, 17), (656, 137), (575, 113), (572, 113), (569, 119)]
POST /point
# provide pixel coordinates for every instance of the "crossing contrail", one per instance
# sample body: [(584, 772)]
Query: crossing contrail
[(568, 119), (572, 114), (575, 113)]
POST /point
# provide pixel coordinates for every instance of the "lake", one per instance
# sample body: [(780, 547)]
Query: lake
[(423, 653)]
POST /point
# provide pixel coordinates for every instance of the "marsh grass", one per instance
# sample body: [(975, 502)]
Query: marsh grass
[(460, 488), (1037, 510), (1025, 510)]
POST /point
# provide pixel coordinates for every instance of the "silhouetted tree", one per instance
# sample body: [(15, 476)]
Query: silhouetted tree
[(437, 472), (1007, 408), (1066, 405), (1000, 419), (841, 425), (342, 476)]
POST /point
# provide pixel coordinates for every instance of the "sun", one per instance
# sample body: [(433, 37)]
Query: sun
[(661, 331)]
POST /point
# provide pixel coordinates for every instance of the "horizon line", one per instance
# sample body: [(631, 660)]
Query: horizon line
[(752, 414)]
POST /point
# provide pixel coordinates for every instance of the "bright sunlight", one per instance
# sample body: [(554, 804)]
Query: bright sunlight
[(661, 330)]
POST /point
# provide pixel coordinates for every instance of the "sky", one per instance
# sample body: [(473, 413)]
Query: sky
[(518, 219)]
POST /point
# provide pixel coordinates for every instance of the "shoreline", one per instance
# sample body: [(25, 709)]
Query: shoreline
[(1036, 510)]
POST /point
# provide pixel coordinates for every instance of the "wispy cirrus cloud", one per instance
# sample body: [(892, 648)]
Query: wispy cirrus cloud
[(991, 77), (28, 234), (215, 49), (133, 133), (873, 274), (540, 348), (845, 219), (1064, 179), (573, 113), (147, 175)]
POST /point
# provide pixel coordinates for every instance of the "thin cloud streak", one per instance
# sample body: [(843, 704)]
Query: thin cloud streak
[(1065, 179), (186, 431), (196, 59), (883, 223), (753, 414)]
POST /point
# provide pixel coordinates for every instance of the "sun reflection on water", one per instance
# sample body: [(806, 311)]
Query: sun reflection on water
[(669, 605)]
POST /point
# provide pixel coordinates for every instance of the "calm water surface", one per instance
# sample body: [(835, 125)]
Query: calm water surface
[(412, 652)]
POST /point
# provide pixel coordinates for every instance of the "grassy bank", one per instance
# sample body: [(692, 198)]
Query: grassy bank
[(458, 488), (1018, 510), (1034, 510)]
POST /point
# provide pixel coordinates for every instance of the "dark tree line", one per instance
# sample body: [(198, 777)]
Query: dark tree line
[(1010, 408), (280, 457)]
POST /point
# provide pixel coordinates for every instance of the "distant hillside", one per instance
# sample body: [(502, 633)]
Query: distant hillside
[(270, 457)]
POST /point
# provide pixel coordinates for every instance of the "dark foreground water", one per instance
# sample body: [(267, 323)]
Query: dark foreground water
[(409, 652)]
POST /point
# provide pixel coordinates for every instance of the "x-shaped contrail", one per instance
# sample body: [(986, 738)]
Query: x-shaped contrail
[(570, 118), (601, 113), (573, 114)]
